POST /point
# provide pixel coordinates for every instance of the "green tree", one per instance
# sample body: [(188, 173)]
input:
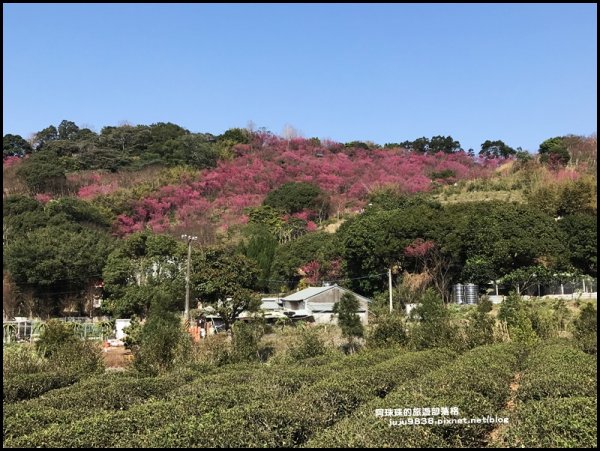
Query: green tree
[(389, 330), (15, 145), (67, 130), (433, 328), (374, 241), (104, 158), (581, 236), (236, 136), (144, 264), (444, 144), (82, 212), (161, 337), (245, 343), (478, 270), (21, 214), (54, 335), (191, 149), (528, 277), (420, 145), (554, 151), (348, 319), (496, 149), (57, 260), (509, 236), (42, 137), (480, 329), (290, 257), (227, 281), (514, 313), (43, 172), (134, 140), (294, 197), (578, 196), (162, 132), (260, 245)]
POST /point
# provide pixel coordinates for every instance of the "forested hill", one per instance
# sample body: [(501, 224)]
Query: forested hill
[(80, 207)]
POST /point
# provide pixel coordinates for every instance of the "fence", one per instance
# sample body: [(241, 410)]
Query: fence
[(30, 330)]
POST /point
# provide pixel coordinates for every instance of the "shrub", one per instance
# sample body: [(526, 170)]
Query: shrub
[(21, 359), (434, 328), (513, 312), (245, 341), (389, 330), (480, 329), (160, 338), (585, 329), (293, 197), (307, 344), (82, 358), (25, 418), (55, 334), (477, 382), (271, 422), (215, 350), (348, 319), (543, 322)]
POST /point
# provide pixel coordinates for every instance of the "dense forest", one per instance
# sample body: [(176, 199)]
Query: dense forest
[(88, 214)]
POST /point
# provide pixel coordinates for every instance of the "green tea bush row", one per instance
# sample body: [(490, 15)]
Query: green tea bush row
[(477, 383), (292, 421), (23, 418), (232, 386), (558, 371), (118, 395), (487, 370), (554, 423), (26, 374), (27, 386)]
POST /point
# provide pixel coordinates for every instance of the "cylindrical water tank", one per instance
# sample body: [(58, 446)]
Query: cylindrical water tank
[(471, 293), (457, 292)]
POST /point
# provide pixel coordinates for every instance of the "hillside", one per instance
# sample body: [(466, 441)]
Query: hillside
[(265, 199)]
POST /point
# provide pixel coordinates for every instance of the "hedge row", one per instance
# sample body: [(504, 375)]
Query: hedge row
[(85, 399), (554, 423), (556, 400), (558, 371), (292, 421), (19, 387), (158, 401), (478, 383)]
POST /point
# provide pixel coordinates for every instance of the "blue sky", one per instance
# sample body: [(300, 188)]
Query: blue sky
[(380, 72)]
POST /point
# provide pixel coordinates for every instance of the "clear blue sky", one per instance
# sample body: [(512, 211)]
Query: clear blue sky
[(378, 72)]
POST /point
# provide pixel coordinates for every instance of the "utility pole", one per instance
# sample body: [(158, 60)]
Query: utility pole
[(186, 312), (390, 286)]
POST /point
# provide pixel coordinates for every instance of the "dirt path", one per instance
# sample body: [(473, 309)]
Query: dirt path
[(510, 406), (116, 357)]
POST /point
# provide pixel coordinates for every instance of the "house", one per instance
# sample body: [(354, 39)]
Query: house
[(317, 303)]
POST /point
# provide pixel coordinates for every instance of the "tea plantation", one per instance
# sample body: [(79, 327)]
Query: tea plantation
[(374, 398)]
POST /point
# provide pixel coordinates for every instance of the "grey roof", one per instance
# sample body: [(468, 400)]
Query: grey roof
[(306, 293), (313, 291)]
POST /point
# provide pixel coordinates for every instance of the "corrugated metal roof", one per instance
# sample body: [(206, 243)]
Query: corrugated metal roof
[(306, 293)]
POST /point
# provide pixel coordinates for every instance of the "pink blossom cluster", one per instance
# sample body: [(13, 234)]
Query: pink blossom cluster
[(419, 248), (95, 190), (44, 198), (8, 162), (347, 175)]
